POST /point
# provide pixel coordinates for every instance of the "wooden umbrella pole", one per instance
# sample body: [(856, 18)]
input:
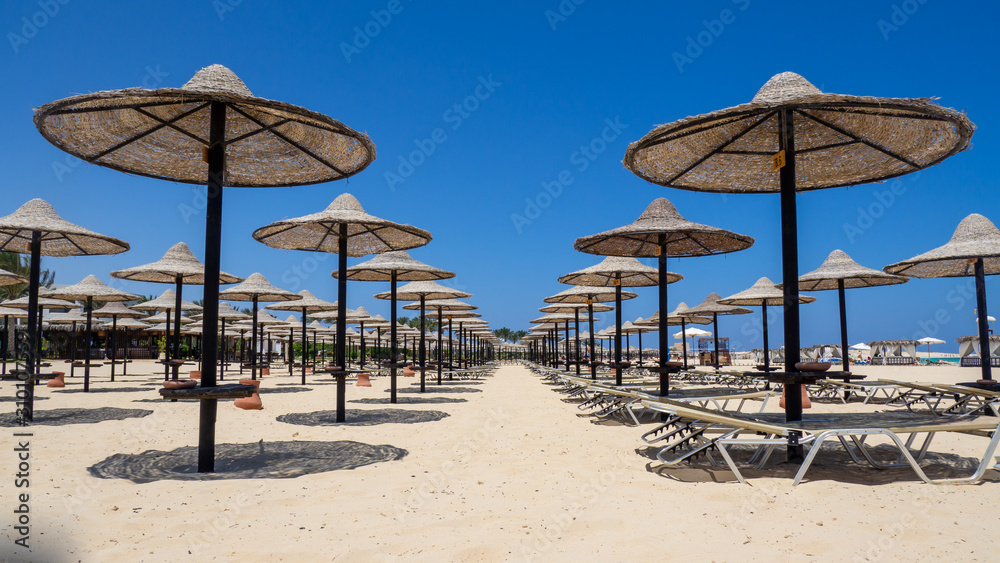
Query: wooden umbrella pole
[(593, 349), (843, 325), (392, 335), (576, 318), (342, 322), (86, 358), (213, 250), (985, 358)]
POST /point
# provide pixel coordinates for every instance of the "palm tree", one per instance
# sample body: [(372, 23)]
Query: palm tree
[(517, 335), (503, 333), (21, 265)]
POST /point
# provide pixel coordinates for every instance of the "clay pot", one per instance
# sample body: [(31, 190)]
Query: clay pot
[(252, 402), (363, 380), (265, 371), (195, 374), (58, 381), (812, 366), (408, 371), (180, 384), (309, 370), (806, 403)]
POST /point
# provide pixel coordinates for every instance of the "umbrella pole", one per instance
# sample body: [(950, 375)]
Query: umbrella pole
[(5, 341), (225, 349), (843, 325), (31, 356), (423, 345), (392, 335), (684, 342), (177, 321), (576, 313), (72, 354), (790, 275), (439, 344), (618, 329), (303, 347), (715, 340), (767, 351), (114, 344), (361, 351), (640, 348), (566, 332), (342, 322), (451, 337), (243, 349), (86, 359), (125, 353), (166, 348), (985, 358), (593, 349), (253, 342)]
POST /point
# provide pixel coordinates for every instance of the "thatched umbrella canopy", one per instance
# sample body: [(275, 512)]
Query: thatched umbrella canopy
[(394, 266), (619, 271), (792, 137), (346, 229), (244, 140), (308, 304), (761, 294), (36, 229), (88, 289), (10, 278), (974, 250), (257, 289)]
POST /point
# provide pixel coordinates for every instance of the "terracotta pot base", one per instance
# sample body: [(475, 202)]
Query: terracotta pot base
[(251, 403)]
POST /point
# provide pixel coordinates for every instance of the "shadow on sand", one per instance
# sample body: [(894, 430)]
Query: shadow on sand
[(357, 417), (63, 417), (260, 460)]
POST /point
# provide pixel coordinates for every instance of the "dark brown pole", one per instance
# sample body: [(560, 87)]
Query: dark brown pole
[(566, 333), (86, 359), (292, 352), (767, 351), (593, 349), (843, 325), (210, 317), (253, 342), (342, 322), (423, 344), (790, 269), (985, 358), (392, 334), (684, 342), (179, 286), (31, 357), (440, 356), (618, 328), (114, 344), (576, 313)]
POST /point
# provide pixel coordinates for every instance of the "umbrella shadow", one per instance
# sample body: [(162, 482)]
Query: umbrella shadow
[(105, 390), (357, 417), (260, 460), (409, 401), (435, 388), (17, 399), (63, 417)]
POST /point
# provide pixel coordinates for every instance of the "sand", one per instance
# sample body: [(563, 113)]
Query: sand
[(494, 470)]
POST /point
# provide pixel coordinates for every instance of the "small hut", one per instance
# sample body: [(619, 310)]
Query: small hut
[(893, 352), (968, 350)]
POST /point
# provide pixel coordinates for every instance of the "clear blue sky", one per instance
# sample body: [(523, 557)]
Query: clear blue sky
[(547, 84)]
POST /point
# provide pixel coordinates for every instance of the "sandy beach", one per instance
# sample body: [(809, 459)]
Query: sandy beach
[(492, 470)]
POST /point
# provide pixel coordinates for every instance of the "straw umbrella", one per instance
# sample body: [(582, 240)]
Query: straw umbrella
[(394, 266), (928, 340), (764, 293), (86, 290), (226, 313), (712, 306), (674, 318), (454, 308), (752, 148), (167, 302), (618, 271), (256, 289), (345, 229), (974, 250), (124, 324), (591, 295), (575, 308), (424, 291), (308, 304), (243, 140), (840, 272), (36, 229), (44, 302), (555, 319), (661, 232), (362, 316), (179, 267), (636, 327), (115, 309)]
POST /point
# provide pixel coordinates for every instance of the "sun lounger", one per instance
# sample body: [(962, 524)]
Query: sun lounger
[(844, 390), (692, 428)]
